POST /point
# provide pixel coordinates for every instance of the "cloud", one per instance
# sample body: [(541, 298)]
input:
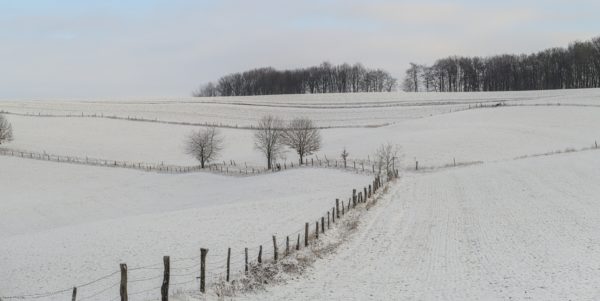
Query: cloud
[(156, 48)]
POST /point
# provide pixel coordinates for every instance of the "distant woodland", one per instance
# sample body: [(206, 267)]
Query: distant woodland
[(577, 66), (325, 78)]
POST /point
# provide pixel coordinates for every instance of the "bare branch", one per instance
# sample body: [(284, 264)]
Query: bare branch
[(205, 145), (269, 137), (302, 136), (6, 133)]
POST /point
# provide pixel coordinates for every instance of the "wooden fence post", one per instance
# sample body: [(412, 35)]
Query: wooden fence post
[(164, 289), (123, 286), (317, 230), (306, 235), (246, 257), (260, 254), (228, 262), (74, 296), (353, 197), (287, 245), (322, 224), (370, 192), (298, 243), (337, 207), (416, 165), (365, 193), (275, 248), (328, 226), (333, 215), (203, 270)]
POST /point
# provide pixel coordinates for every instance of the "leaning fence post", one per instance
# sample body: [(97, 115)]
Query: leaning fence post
[(123, 286), (164, 289), (74, 296), (306, 235), (274, 248), (260, 254), (228, 262), (203, 270), (246, 257)]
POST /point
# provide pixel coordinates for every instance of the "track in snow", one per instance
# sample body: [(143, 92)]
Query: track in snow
[(527, 229)]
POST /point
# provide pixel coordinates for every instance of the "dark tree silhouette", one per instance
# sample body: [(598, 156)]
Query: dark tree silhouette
[(325, 78), (577, 66)]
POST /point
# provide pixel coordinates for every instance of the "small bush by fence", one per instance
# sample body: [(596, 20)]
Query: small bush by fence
[(198, 274)]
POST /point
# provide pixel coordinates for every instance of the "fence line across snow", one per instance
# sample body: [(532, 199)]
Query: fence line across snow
[(230, 167), (200, 272)]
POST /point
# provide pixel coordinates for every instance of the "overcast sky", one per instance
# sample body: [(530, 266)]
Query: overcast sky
[(67, 49)]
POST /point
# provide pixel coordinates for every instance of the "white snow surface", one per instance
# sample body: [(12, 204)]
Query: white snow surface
[(64, 225), (474, 135), (344, 109), (505, 229), (521, 230)]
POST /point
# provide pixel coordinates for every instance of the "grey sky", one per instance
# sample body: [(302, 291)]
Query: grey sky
[(67, 49)]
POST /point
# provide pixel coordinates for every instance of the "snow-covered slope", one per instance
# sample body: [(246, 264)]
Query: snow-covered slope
[(522, 230), (498, 230), (345, 109), (473, 135), (64, 225)]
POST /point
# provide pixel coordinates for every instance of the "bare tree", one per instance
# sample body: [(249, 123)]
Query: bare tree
[(302, 136), (345, 155), (386, 156), (269, 138), (6, 134), (205, 145), (206, 90)]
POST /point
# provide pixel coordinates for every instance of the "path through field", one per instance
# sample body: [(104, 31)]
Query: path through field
[(526, 229)]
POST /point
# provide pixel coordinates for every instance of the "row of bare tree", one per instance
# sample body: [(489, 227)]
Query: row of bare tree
[(577, 66), (271, 137), (325, 78)]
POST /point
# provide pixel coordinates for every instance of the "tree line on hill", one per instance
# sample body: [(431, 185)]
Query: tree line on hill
[(577, 66), (325, 78)]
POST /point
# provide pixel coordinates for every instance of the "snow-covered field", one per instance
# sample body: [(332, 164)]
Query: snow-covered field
[(473, 135), (339, 110), (521, 230), (503, 229), (64, 225)]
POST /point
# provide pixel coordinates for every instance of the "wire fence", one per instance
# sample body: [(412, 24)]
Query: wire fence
[(146, 282), (230, 168)]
